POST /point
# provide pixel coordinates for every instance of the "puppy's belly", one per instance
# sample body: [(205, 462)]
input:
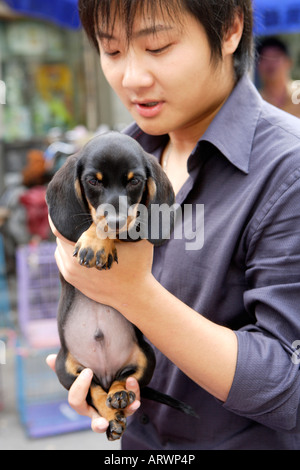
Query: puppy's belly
[(99, 338)]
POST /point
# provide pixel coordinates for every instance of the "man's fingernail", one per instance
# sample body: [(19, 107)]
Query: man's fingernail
[(87, 373), (135, 406), (100, 425)]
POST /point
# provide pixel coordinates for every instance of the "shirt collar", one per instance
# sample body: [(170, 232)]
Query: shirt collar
[(232, 130)]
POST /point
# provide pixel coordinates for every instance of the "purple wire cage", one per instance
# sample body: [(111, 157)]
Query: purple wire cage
[(5, 314), (38, 294), (42, 401), (5, 318)]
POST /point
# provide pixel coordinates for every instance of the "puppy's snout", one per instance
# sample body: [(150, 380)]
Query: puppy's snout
[(113, 218), (116, 223)]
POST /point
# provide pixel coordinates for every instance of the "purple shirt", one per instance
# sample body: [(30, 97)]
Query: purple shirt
[(245, 170)]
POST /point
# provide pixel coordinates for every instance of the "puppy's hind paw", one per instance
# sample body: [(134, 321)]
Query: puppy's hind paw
[(120, 400), (116, 427)]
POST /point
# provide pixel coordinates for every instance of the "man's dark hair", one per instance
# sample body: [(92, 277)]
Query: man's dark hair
[(216, 16)]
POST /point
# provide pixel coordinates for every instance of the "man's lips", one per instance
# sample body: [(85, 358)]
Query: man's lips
[(148, 108), (150, 104)]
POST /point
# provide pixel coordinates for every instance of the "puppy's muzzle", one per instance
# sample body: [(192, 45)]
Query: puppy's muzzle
[(111, 221), (117, 224)]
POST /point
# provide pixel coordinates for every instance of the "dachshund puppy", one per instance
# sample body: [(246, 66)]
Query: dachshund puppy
[(103, 196)]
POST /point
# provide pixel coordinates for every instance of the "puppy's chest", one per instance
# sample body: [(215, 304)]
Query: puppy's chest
[(99, 337)]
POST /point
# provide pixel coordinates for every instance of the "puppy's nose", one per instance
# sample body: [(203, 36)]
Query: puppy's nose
[(116, 223)]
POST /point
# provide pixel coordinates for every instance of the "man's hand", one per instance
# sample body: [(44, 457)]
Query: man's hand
[(78, 393)]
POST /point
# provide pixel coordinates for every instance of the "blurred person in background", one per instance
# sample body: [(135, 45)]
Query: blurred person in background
[(274, 68)]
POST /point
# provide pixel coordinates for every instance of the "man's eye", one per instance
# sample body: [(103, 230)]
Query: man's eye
[(159, 50), (112, 54)]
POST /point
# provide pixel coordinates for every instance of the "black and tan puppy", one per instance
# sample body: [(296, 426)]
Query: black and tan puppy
[(101, 196)]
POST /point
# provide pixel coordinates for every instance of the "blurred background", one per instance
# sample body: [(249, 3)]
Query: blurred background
[(53, 99)]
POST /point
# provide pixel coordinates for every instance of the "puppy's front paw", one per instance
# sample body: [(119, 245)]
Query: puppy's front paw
[(95, 253), (85, 255), (105, 258)]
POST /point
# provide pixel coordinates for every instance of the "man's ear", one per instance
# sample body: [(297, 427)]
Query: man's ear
[(66, 203), (234, 34), (158, 192)]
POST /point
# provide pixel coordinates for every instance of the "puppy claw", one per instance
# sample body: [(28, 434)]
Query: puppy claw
[(100, 264), (76, 251), (110, 261), (104, 261), (131, 397)]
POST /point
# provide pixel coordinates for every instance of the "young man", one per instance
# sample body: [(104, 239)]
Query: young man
[(223, 314)]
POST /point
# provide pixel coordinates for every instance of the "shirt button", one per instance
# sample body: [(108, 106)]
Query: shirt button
[(144, 419)]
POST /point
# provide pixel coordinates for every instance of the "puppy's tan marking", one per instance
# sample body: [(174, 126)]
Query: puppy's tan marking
[(151, 186), (72, 366), (78, 191)]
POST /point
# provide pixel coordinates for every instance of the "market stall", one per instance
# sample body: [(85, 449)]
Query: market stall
[(62, 12), (271, 16), (276, 17)]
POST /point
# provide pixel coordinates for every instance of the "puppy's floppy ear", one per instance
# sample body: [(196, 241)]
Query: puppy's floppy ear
[(158, 192), (67, 206)]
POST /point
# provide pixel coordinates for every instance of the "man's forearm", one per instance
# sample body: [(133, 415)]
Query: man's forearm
[(204, 351)]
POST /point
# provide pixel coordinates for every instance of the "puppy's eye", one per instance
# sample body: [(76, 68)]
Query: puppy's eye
[(93, 182), (134, 181)]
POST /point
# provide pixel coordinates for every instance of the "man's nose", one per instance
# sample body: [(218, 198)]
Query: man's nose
[(136, 74)]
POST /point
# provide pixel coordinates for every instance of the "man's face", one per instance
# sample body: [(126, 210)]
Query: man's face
[(164, 75)]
